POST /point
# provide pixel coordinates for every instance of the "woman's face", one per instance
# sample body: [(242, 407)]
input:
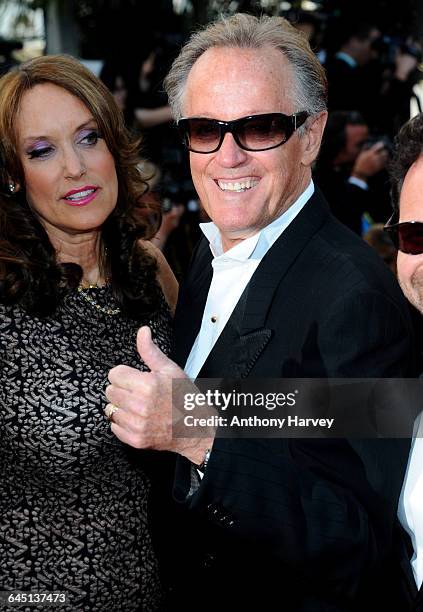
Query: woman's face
[(70, 175)]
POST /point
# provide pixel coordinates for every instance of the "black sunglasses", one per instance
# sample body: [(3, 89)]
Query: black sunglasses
[(253, 133), (406, 236)]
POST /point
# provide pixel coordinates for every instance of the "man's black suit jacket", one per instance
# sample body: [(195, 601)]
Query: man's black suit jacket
[(298, 524)]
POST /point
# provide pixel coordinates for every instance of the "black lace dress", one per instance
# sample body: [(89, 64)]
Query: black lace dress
[(73, 499)]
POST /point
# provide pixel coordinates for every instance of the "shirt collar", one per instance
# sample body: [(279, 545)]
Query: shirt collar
[(256, 246)]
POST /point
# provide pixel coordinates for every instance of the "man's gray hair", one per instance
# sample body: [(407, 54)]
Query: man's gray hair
[(248, 32)]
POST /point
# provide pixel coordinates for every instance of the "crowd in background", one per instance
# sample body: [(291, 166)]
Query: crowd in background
[(371, 79)]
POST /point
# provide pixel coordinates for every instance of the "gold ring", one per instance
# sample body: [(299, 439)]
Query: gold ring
[(110, 410)]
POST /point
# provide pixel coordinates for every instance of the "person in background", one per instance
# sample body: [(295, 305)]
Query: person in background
[(405, 227), (354, 42), (390, 80), (277, 288), (136, 85), (137, 88), (310, 24), (363, 76), (77, 279), (346, 165)]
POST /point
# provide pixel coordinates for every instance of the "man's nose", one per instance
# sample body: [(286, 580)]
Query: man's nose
[(73, 163), (230, 153)]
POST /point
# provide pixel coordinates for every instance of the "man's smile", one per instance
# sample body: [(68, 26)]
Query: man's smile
[(239, 185)]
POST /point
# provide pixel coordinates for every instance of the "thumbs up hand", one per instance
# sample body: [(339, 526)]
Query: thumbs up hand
[(143, 418), (154, 358)]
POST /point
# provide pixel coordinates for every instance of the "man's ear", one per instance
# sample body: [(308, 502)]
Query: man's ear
[(313, 137)]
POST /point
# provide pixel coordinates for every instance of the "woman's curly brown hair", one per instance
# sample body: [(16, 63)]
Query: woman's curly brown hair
[(408, 148), (29, 271)]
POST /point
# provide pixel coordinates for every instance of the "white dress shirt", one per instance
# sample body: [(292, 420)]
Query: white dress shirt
[(232, 271), (410, 507)]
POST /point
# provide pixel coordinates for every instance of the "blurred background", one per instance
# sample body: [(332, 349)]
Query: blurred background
[(90, 28), (372, 52)]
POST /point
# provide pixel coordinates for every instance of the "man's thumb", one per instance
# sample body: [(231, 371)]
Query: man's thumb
[(151, 355)]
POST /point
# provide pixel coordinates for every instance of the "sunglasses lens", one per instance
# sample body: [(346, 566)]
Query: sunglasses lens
[(201, 135), (262, 132), (255, 133), (410, 238)]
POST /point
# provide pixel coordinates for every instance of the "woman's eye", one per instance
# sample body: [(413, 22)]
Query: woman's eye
[(41, 152), (89, 138)]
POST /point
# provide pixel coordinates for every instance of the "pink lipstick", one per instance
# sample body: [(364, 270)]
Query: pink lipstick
[(81, 196)]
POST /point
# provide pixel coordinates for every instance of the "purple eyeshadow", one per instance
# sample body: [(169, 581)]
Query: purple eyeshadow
[(38, 146)]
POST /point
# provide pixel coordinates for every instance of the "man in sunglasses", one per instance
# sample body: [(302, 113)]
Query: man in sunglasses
[(277, 288), (406, 230)]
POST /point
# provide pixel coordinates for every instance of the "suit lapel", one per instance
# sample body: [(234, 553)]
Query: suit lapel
[(279, 259), (234, 354), (191, 302), (246, 335)]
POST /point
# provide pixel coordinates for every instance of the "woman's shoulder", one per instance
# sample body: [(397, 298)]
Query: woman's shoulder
[(165, 276)]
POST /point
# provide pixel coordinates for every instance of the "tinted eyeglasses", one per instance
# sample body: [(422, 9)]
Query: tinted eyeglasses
[(253, 133), (407, 236)]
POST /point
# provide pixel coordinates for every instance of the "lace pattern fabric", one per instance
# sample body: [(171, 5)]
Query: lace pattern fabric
[(73, 498)]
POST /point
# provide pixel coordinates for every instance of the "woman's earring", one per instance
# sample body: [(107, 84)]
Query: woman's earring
[(12, 187)]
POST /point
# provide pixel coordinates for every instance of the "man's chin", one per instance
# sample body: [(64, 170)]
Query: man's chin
[(232, 235)]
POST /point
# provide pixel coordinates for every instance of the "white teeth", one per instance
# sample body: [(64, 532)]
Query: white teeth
[(238, 185), (80, 195)]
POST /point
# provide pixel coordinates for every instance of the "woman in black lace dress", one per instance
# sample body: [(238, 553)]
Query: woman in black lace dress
[(76, 284)]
